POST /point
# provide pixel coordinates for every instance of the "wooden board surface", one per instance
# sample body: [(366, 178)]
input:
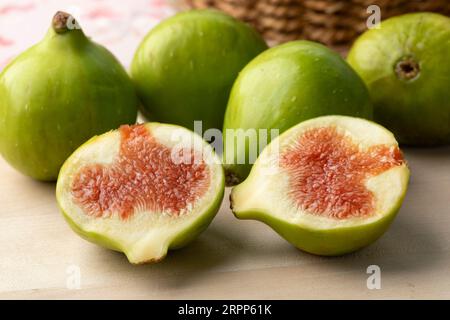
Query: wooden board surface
[(40, 256)]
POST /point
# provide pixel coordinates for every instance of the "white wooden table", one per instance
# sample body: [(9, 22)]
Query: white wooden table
[(40, 257)]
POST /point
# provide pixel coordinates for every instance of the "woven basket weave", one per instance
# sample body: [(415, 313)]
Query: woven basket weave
[(333, 22)]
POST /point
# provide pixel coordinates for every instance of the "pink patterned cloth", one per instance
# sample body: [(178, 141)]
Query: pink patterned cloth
[(117, 24)]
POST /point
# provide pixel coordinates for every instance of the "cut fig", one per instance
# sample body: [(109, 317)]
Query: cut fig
[(142, 189), (330, 185)]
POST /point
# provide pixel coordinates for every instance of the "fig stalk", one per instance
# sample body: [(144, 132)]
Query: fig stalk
[(63, 22)]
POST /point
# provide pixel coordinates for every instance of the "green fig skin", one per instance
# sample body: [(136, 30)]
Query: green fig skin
[(416, 109), (286, 85), (335, 242), (184, 68), (55, 96)]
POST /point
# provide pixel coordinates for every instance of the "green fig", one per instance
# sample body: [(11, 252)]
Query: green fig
[(142, 189), (184, 68), (281, 87), (406, 66), (330, 185), (58, 94)]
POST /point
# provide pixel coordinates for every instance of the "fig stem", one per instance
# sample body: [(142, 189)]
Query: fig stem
[(407, 69), (63, 22)]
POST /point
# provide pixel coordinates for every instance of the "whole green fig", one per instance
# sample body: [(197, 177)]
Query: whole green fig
[(58, 94), (406, 66), (185, 67)]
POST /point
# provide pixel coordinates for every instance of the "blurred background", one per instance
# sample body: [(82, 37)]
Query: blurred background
[(120, 25), (335, 23)]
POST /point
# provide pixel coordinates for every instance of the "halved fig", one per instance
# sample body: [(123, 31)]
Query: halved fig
[(141, 190), (329, 186)]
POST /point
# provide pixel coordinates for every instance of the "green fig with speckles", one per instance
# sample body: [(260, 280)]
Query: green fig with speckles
[(406, 66), (58, 94), (184, 68)]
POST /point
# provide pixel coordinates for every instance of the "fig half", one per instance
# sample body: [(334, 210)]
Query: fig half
[(142, 189), (330, 185)]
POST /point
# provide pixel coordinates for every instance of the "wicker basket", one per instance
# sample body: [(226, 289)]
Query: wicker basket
[(333, 22)]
